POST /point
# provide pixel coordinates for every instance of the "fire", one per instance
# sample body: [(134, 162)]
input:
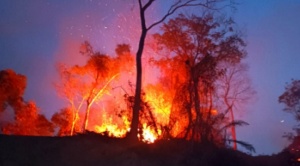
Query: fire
[(214, 112), (118, 125), (149, 135), (109, 126), (161, 107), (112, 128)]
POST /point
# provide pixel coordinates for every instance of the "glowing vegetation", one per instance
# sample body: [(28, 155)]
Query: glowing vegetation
[(26, 117), (198, 66)]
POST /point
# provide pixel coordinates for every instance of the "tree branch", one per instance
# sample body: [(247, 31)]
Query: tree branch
[(147, 4), (179, 5), (103, 88), (140, 4)]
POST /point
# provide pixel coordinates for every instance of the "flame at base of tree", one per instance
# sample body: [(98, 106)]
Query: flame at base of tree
[(154, 118), (111, 128), (148, 134), (119, 125)]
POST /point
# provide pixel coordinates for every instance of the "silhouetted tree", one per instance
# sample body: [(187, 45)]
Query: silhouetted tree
[(234, 88), (178, 4), (122, 49), (291, 98), (192, 49)]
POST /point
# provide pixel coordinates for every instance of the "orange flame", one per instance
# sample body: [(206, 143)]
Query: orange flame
[(112, 128), (149, 134), (160, 108), (119, 126)]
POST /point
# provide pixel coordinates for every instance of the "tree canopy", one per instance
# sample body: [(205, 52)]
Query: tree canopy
[(84, 85), (12, 87), (291, 98), (27, 119), (192, 49)]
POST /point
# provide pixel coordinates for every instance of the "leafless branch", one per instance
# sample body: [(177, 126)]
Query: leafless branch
[(147, 4), (178, 5), (140, 4)]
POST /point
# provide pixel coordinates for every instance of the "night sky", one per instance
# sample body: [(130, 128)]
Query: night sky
[(36, 34)]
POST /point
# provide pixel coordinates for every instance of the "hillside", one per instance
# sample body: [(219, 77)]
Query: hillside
[(92, 149)]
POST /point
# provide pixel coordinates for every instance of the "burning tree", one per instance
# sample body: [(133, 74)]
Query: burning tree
[(193, 48), (27, 120), (185, 104), (12, 88), (63, 120), (178, 4), (85, 85)]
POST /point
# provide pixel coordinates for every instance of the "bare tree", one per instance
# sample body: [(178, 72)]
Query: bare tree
[(142, 10), (235, 89)]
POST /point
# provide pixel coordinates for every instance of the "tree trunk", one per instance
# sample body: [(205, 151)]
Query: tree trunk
[(199, 120), (73, 121), (190, 114), (137, 97), (233, 133), (233, 130), (86, 117)]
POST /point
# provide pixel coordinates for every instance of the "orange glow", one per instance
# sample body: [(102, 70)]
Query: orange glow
[(106, 121), (149, 135), (214, 112), (112, 128), (116, 128), (109, 121), (161, 107)]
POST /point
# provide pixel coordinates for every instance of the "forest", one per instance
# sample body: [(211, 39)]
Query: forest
[(201, 80)]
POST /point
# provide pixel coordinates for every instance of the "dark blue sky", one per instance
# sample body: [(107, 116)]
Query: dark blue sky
[(35, 34), (273, 34)]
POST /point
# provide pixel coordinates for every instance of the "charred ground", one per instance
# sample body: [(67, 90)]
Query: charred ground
[(95, 149)]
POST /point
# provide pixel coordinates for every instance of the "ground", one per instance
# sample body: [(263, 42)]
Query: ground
[(93, 149)]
